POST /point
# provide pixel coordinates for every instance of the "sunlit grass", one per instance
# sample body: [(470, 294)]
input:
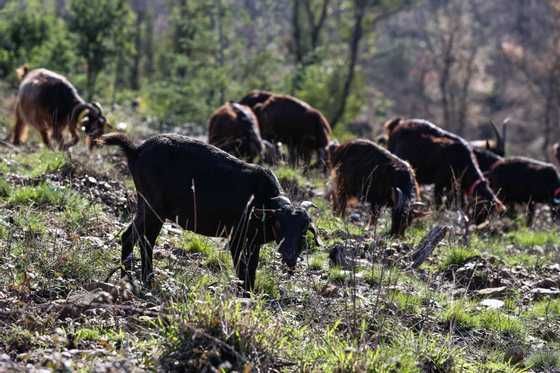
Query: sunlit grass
[(528, 238)]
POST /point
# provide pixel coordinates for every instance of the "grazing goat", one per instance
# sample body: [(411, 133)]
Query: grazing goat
[(519, 180), (364, 170), (302, 128), (50, 103), (234, 129), (444, 159), (497, 146), (255, 97), (209, 192)]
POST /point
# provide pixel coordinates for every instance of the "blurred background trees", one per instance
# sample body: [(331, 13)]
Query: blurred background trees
[(458, 63)]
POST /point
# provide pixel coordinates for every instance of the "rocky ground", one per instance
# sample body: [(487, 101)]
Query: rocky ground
[(486, 300)]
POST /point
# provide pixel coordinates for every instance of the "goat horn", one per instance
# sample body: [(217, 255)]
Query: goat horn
[(283, 199), (98, 107), (307, 204), (77, 112), (500, 146)]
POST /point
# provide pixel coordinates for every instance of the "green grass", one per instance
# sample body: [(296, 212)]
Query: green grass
[(457, 256), (464, 315), (266, 283), (317, 262), (98, 335), (548, 308), (544, 360), (31, 223), (4, 188), (408, 303), (529, 238), (39, 163), (337, 275), (41, 195), (289, 175), (219, 261), (196, 244)]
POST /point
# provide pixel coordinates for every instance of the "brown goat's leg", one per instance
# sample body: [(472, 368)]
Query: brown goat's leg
[(75, 137), (20, 131), (46, 139), (59, 138), (339, 204)]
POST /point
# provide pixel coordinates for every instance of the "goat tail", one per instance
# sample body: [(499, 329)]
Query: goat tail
[(391, 124), (21, 72), (122, 141)]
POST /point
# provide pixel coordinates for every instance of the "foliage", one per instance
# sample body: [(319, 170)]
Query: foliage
[(31, 34), (100, 28)]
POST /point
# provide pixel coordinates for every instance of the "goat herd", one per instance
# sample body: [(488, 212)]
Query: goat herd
[(206, 189)]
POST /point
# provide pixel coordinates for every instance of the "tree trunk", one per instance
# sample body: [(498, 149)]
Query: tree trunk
[(91, 78), (137, 57), (357, 33)]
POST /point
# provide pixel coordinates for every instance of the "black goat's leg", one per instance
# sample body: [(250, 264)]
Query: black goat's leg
[(531, 213), (128, 240)]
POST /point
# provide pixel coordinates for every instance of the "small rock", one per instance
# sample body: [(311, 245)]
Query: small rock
[(492, 291), (329, 291), (494, 304), (546, 283), (542, 292)]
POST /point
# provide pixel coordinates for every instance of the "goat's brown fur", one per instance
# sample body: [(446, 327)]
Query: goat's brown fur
[(234, 128), (49, 102), (364, 170)]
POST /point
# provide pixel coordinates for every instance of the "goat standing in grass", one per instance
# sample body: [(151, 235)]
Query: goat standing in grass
[(207, 191), (365, 170), (49, 102)]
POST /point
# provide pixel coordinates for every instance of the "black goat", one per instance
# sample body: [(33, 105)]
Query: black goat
[(519, 180), (210, 192)]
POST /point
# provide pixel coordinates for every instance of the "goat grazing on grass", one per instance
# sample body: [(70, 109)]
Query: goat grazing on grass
[(207, 191), (444, 159), (301, 127), (367, 171), (255, 97), (519, 180), (234, 128), (49, 102)]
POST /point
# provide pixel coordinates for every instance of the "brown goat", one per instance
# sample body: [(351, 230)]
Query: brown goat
[(364, 170), (444, 159), (49, 102), (255, 97), (234, 128), (293, 122)]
